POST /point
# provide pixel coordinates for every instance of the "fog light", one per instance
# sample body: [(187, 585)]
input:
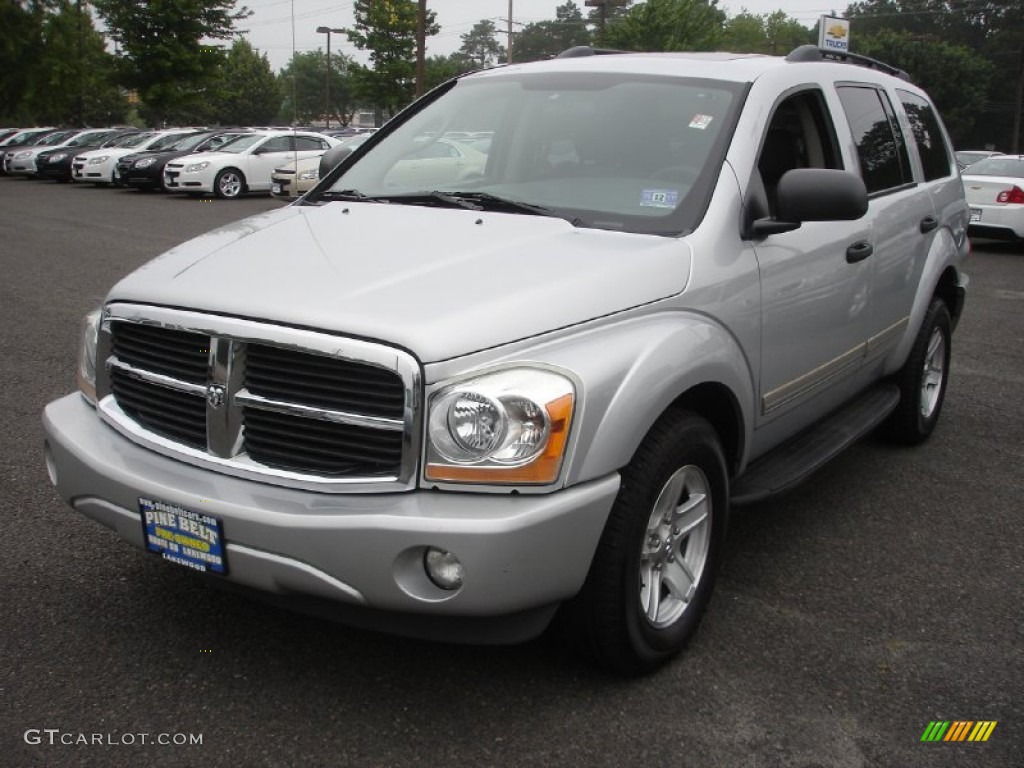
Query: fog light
[(443, 568)]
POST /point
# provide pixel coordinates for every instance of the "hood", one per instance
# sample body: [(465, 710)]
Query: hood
[(197, 157), (439, 282)]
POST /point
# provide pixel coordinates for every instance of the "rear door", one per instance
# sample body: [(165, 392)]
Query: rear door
[(903, 218)]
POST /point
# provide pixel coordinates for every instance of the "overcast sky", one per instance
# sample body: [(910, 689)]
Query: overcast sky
[(270, 27)]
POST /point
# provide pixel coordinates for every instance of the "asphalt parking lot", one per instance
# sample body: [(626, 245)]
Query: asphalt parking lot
[(883, 594)]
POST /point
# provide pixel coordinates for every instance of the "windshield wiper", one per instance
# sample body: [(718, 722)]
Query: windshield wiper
[(485, 201), (343, 194), (473, 201)]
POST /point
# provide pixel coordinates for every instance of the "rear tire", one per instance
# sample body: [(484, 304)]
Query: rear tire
[(923, 379), (656, 563)]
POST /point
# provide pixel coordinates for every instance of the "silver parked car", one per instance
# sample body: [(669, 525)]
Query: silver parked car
[(534, 386)]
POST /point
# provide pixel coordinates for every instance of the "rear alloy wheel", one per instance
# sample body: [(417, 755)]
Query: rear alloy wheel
[(922, 380), (655, 566), (229, 184)]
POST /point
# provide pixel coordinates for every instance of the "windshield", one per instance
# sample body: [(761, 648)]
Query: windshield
[(611, 151), (54, 139), (85, 139), (998, 166), (240, 143), (170, 140), (134, 140)]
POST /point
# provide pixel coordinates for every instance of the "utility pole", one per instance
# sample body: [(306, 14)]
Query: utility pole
[(1018, 105), (603, 14), (508, 58), (327, 82), (421, 47)]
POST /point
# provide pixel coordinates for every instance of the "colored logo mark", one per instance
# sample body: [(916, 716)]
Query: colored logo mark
[(958, 730)]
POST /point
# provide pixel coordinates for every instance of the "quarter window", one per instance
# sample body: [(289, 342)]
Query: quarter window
[(884, 163), (928, 136)]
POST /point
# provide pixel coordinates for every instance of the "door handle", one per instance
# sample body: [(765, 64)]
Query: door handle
[(859, 251), (928, 223)]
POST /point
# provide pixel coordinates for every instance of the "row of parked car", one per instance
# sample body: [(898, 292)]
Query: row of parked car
[(226, 163)]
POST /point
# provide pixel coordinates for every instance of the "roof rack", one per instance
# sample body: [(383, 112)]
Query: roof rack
[(585, 50), (813, 53)]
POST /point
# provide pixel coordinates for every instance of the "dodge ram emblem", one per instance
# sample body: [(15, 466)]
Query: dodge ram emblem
[(215, 395)]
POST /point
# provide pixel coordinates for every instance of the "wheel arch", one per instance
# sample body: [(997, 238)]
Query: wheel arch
[(678, 361)]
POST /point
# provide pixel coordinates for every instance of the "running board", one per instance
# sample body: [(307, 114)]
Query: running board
[(794, 461)]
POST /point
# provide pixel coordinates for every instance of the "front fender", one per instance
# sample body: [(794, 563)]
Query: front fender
[(647, 365)]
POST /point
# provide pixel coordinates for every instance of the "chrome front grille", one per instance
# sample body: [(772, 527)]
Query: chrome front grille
[(283, 405)]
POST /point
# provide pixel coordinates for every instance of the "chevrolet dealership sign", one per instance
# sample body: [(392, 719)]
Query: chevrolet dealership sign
[(834, 34)]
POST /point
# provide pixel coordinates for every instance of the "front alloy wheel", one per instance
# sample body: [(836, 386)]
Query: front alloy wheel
[(675, 549), (654, 569), (229, 184)]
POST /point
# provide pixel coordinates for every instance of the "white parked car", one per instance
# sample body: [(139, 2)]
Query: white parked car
[(99, 166), (995, 192), (244, 164), (294, 179), (22, 162)]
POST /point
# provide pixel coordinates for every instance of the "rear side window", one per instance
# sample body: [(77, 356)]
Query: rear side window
[(931, 145), (884, 163)]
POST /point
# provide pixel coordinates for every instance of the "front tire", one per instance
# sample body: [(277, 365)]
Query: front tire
[(229, 184), (655, 566), (923, 379)]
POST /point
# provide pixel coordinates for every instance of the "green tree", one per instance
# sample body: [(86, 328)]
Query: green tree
[(74, 80), (668, 25), (165, 51), (304, 82), (774, 33), (545, 39), (249, 91), (480, 46), (940, 68), (601, 16), (387, 29), (440, 69), (991, 29), (20, 45)]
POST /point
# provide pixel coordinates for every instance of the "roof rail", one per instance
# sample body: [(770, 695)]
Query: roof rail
[(585, 50), (805, 53)]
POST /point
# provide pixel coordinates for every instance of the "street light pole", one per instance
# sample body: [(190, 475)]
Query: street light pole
[(327, 83)]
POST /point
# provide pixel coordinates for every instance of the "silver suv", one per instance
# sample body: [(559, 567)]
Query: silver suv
[(452, 398)]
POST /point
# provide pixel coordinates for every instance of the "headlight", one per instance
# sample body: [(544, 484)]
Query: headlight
[(98, 160), (309, 175), (56, 158), (510, 426), (87, 355), (197, 166), (22, 155), (145, 162)]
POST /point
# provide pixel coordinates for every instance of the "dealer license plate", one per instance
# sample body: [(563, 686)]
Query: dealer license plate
[(183, 536), (975, 214)]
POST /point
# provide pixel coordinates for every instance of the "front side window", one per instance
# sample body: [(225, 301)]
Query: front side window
[(277, 144), (800, 134), (928, 136), (612, 151), (884, 164), (240, 143)]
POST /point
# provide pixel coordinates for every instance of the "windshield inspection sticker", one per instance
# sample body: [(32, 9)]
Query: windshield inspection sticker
[(659, 198), (701, 122)]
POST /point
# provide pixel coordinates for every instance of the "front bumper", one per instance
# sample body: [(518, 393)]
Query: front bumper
[(99, 173), (522, 554), (178, 180)]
